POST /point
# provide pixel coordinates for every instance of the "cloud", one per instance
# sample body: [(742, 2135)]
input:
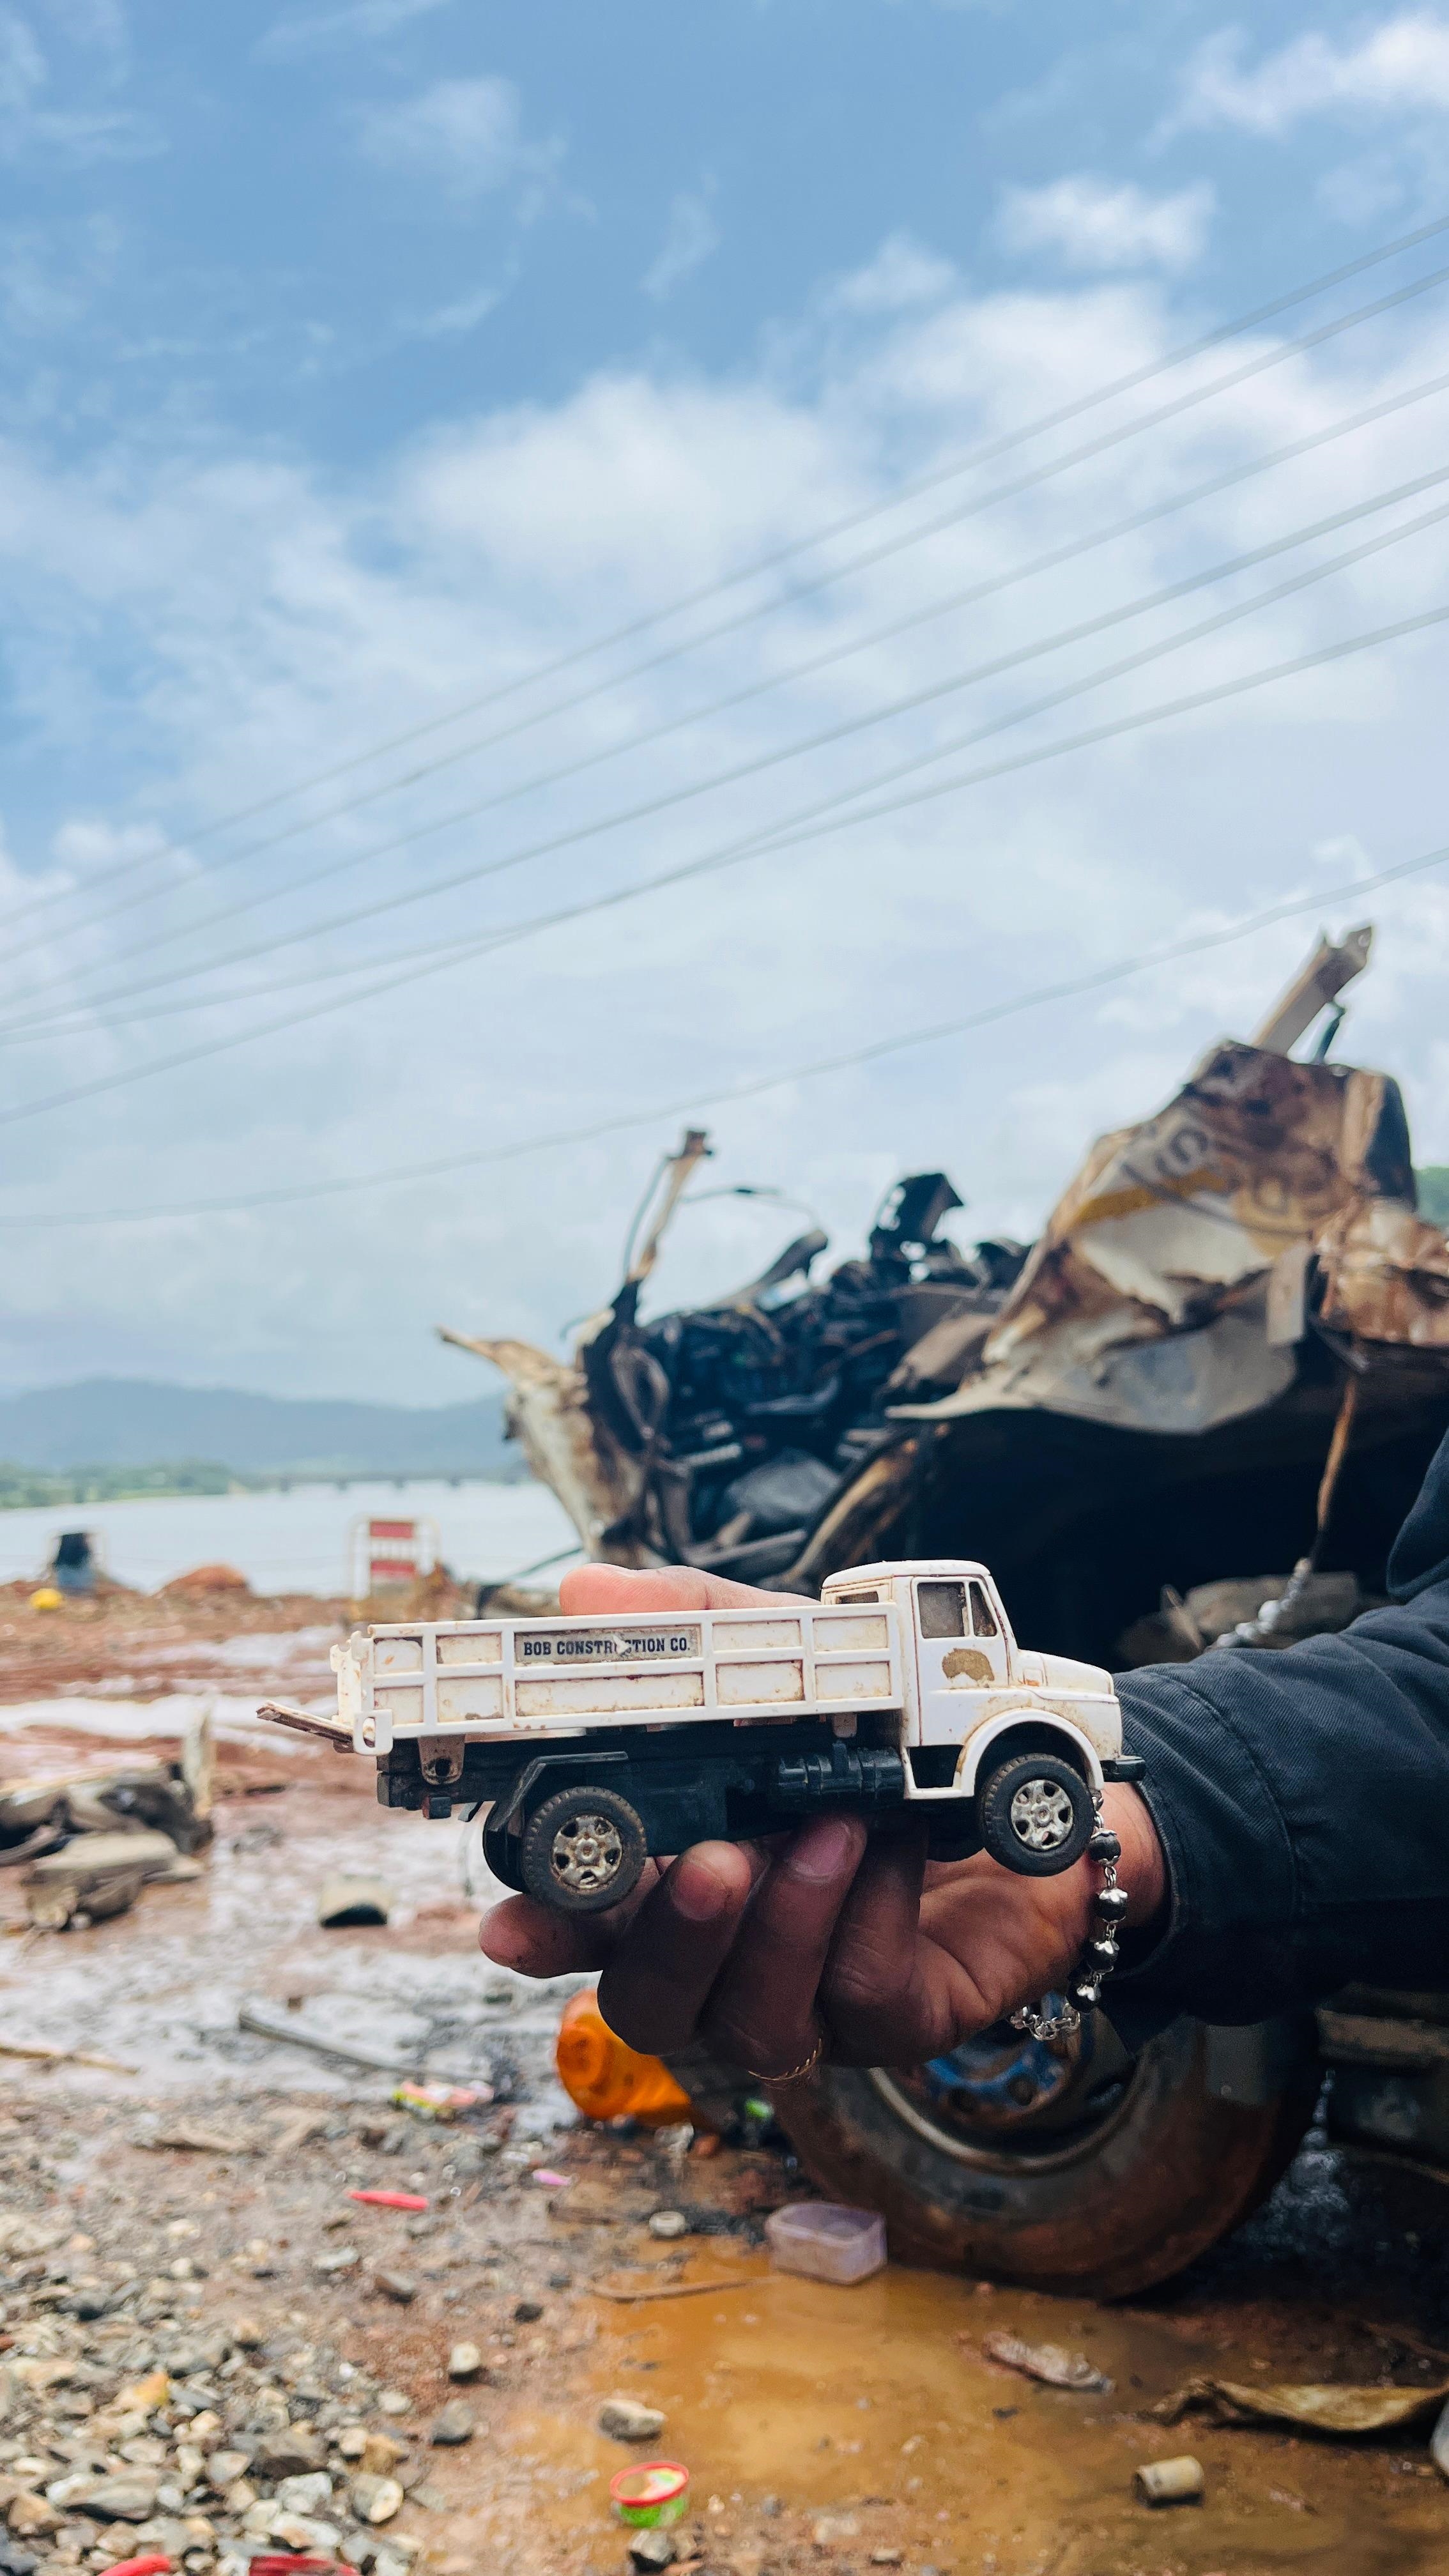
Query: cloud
[(1092, 224), (903, 274), (1399, 67), (359, 22), (221, 625), (691, 236), (463, 136), (32, 128)]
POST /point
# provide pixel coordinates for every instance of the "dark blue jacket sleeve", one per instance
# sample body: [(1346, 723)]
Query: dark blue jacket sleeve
[(1302, 1797)]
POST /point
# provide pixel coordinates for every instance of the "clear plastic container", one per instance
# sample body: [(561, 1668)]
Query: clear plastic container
[(827, 2242)]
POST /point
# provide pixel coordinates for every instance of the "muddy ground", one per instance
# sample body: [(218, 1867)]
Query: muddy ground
[(826, 2429)]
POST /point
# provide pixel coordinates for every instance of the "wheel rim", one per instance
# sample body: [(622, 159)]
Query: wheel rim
[(1002, 2101), (1042, 1815), (586, 1853)]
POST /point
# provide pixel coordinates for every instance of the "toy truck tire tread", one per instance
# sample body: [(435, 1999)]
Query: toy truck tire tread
[(583, 1850), (1036, 1814)]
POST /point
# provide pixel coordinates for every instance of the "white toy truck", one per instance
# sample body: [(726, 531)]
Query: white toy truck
[(597, 1741)]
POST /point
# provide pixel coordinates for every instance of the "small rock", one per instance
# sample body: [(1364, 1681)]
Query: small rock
[(246, 2333), (400, 2286), (345, 1901), (300, 2532), (117, 2499), (223, 2468), (650, 2549), (464, 2361), (625, 2420), (375, 2499), (352, 2441), (393, 2402), (832, 2528), (454, 2425), (289, 2452), (527, 2312), (381, 2454), (306, 2493), (885, 2558), (669, 2222), (345, 2258), (31, 2518), (770, 2507)]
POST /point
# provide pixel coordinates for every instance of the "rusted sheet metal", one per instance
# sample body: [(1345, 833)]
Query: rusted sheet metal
[(1145, 1303), (1385, 1276), (569, 1446)]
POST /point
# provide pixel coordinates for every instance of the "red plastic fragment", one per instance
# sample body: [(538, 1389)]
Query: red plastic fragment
[(389, 2200), (155, 2565)]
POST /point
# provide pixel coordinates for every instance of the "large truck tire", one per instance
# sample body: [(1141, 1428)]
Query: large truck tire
[(1112, 2184)]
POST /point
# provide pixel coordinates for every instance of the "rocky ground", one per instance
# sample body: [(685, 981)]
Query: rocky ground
[(210, 2351)]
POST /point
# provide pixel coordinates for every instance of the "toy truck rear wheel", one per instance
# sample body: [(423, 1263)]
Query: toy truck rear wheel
[(1036, 1814), (583, 1850)]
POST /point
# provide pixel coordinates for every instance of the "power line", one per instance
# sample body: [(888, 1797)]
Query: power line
[(769, 846), (1087, 452), (1095, 979), (69, 1019), (652, 806)]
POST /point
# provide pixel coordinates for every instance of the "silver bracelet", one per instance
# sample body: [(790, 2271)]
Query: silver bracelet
[(1099, 1954)]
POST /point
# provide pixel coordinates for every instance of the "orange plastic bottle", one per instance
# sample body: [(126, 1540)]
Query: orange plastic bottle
[(607, 2081)]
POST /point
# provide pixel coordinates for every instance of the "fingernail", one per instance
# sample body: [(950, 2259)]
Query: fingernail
[(697, 1894), (825, 1850)]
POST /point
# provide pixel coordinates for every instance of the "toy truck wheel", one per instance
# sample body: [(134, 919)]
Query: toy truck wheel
[(583, 1849), (1036, 1814)]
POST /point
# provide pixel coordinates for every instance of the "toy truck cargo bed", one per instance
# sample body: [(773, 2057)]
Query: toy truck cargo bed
[(510, 1677)]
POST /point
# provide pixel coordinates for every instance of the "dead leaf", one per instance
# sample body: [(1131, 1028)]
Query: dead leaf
[(1051, 2363), (1316, 2406)]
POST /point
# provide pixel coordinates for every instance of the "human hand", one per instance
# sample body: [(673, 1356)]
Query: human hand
[(833, 1938)]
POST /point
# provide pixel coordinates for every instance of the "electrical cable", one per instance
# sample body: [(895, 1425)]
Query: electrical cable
[(67, 1024), (1194, 944), (21, 1025), (1189, 704), (1087, 452)]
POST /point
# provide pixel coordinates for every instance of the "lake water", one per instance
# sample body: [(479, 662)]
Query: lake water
[(297, 1541)]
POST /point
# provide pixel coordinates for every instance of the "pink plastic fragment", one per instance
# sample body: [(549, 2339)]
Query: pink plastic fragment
[(548, 2180)]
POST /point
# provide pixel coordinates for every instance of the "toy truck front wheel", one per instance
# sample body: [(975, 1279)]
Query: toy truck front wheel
[(1036, 1814), (582, 1850)]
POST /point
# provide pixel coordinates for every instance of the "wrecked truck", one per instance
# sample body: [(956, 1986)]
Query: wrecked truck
[(1227, 1351)]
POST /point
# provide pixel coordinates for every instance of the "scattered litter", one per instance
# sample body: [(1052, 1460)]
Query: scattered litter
[(454, 2425), (201, 2140), (1170, 2481), (155, 2565), (267, 2021), (548, 2180), (627, 2293), (63, 2056), (624, 2419), (826, 2241), (346, 1901), (650, 2498), (1317, 2407), (607, 2080), (438, 2101), (389, 2199), (1049, 2362)]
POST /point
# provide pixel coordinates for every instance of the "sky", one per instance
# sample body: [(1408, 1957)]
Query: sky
[(460, 465)]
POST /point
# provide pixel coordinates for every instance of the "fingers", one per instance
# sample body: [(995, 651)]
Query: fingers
[(656, 1984), (883, 1994), (536, 1942), (762, 2012), (664, 1587)]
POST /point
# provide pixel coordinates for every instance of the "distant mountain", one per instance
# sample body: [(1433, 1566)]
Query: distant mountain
[(142, 1422)]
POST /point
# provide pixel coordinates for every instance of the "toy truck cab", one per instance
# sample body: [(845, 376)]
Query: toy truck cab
[(595, 1743), (1012, 1747)]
